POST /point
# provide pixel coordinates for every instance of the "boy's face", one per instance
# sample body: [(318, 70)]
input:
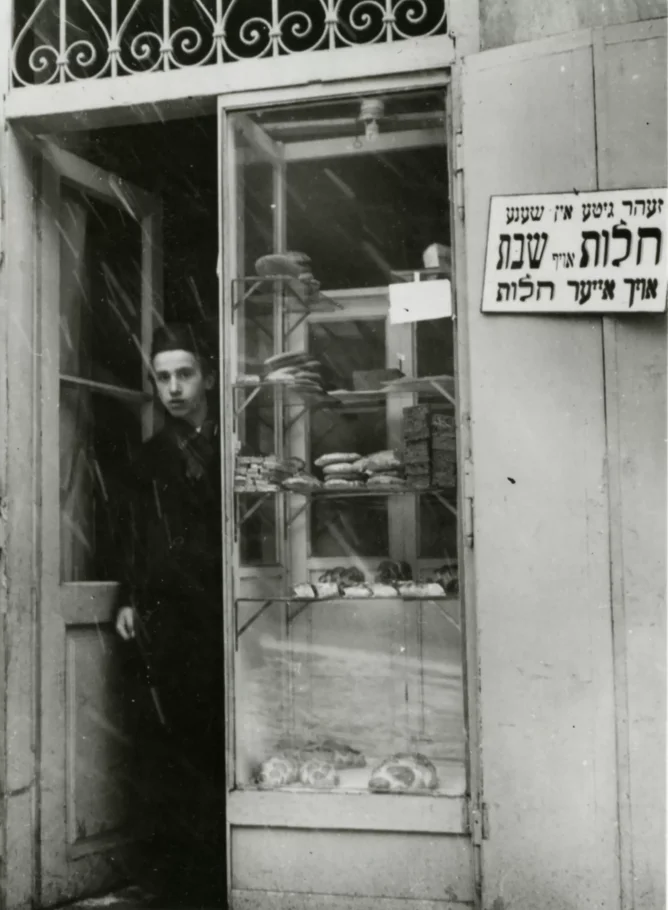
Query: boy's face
[(181, 385)]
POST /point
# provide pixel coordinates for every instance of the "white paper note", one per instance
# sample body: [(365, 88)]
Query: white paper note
[(415, 301)]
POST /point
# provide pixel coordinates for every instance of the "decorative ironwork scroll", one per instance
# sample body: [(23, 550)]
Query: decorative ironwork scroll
[(69, 40)]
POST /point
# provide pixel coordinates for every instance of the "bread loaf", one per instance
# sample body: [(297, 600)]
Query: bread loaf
[(404, 772)]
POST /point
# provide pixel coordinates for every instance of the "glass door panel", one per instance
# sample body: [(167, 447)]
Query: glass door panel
[(349, 657)]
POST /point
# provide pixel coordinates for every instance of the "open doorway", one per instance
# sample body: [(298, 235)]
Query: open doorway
[(129, 243)]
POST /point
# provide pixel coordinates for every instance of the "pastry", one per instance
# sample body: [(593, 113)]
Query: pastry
[(305, 591), (336, 458), (278, 771), (391, 571), (384, 590), (388, 459), (351, 576), (309, 376), (416, 422), (384, 481), (404, 772), (416, 452), (327, 589), (442, 423), (359, 590), (286, 376), (336, 483), (286, 359), (341, 468), (302, 483), (277, 265), (317, 773)]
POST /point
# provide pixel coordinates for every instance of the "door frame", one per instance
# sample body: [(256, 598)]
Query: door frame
[(86, 105)]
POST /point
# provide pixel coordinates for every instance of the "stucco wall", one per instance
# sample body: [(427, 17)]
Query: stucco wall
[(504, 22)]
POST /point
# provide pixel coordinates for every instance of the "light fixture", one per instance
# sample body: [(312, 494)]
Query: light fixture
[(371, 111)]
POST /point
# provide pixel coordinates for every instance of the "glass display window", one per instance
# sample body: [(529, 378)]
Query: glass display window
[(349, 653)]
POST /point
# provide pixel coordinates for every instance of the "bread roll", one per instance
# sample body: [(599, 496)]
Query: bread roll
[(336, 458), (278, 771), (404, 772)]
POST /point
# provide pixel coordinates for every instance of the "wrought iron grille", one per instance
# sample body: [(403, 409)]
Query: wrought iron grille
[(59, 41)]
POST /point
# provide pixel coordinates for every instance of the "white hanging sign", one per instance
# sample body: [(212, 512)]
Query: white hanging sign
[(415, 301), (598, 252)]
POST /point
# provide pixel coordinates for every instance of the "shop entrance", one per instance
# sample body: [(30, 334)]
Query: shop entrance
[(373, 664), (128, 239)]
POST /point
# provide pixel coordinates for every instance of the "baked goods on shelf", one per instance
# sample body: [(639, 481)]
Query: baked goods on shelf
[(287, 265), (302, 482), (404, 772), (391, 571), (279, 770), (261, 473), (296, 370), (339, 754), (315, 764), (319, 774), (336, 458)]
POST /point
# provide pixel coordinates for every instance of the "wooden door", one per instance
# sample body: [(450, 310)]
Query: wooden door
[(99, 280), (630, 63), (542, 569)]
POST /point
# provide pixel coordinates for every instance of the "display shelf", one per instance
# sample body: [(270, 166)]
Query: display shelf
[(311, 495), (408, 385), (295, 295), (445, 602)]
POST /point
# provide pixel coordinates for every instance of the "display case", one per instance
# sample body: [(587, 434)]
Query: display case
[(343, 551)]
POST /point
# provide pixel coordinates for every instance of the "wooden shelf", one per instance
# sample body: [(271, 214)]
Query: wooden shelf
[(448, 604), (409, 385)]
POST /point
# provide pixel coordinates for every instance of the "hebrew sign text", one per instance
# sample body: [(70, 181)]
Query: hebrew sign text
[(594, 252)]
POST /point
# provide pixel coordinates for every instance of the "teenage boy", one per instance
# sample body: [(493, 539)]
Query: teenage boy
[(172, 608)]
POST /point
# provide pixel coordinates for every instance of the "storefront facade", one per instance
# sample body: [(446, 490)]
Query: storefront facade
[(549, 756)]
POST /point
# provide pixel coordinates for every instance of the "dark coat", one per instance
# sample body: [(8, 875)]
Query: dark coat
[(171, 538), (173, 551)]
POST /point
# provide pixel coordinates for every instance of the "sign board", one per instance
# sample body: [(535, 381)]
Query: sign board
[(415, 301), (577, 253)]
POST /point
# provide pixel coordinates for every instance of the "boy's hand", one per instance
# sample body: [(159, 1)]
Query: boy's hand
[(125, 623)]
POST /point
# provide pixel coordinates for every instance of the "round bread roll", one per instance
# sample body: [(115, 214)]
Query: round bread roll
[(351, 576), (404, 772), (336, 458), (320, 774), (278, 771), (391, 571)]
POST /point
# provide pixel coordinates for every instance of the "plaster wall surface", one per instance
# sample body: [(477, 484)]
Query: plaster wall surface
[(505, 22)]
